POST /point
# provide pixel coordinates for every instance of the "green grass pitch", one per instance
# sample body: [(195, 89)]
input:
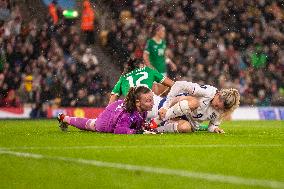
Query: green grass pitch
[(35, 154)]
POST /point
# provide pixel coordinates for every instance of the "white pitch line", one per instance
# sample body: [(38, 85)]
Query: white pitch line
[(147, 146), (156, 170)]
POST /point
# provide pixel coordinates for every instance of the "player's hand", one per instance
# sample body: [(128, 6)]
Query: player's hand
[(162, 113), (218, 130)]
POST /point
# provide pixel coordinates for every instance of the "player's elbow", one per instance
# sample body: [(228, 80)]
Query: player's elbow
[(168, 82)]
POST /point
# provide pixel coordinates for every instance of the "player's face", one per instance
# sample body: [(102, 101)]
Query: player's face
[(217, 102), (145, 102), (162, 32)]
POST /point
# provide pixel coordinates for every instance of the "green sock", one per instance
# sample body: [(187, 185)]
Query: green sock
[(203, 128)]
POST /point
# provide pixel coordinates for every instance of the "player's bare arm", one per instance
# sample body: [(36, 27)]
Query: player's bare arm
[(146, 59)]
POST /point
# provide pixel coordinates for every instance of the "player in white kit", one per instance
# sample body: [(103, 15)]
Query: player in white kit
[(197, 104)]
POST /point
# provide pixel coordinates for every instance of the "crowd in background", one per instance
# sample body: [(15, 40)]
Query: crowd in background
[(219, 42), (224, 43), (47, 64)]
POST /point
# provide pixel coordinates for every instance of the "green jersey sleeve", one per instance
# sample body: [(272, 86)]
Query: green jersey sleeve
[(117, 88), (158, 77), (148, 46)]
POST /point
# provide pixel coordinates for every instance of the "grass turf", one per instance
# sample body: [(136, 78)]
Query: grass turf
[(253, 150)]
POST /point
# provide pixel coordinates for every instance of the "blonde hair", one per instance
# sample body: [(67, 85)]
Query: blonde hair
[(231, 98)]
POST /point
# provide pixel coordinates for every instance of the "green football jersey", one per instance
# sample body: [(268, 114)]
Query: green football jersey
[(157, 54), (139, 77)]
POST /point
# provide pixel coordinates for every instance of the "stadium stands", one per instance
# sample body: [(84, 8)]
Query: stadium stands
[(46, 63), (216, 42)]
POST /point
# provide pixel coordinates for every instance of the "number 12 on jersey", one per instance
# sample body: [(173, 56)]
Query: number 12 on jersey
[(138, 81)]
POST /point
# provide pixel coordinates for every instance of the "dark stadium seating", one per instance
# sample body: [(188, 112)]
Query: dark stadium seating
[(216, 42), (46, 63)]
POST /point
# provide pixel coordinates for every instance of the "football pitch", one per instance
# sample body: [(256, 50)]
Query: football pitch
[(35, 154)]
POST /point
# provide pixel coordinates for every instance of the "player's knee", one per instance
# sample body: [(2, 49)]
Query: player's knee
[(184, 127)]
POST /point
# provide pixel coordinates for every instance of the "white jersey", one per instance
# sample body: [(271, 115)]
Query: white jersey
[(205, 94)]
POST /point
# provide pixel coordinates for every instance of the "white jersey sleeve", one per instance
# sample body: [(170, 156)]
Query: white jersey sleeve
[(191, 89)]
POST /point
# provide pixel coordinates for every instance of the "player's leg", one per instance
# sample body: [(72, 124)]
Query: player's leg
[(184, 127), (80, 123), (175, 126)]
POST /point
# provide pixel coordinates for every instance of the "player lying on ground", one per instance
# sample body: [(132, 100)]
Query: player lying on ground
[(197, 104), (137, 74), (120, 117)]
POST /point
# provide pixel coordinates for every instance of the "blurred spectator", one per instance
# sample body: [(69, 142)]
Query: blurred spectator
[(258, 58), (87, 22), (11, 100), (4, 10), (263, 99), (89, 58), (38, 111), (28, 84), (81, 100), (47, 65), (53, 11)]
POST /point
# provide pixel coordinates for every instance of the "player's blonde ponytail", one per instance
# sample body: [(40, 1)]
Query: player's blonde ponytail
[(231, 98)]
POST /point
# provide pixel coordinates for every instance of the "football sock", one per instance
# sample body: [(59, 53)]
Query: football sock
[(169, 127), (81, 123)]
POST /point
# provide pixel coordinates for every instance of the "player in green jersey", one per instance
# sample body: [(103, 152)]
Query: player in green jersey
[(136, 74), (154, 54)]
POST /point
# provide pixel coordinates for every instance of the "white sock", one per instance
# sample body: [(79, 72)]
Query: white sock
[(179, 109), (169, 127)]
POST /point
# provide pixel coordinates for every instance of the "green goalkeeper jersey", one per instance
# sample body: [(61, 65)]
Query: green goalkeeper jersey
[(139, 77), (157, 54)]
